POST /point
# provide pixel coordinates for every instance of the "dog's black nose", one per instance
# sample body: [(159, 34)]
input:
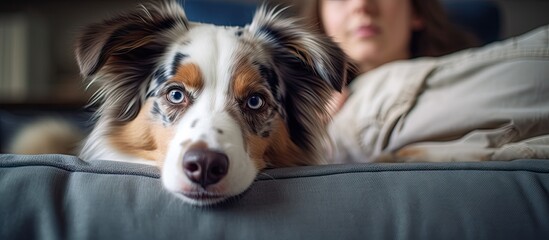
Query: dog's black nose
[(204, 166)]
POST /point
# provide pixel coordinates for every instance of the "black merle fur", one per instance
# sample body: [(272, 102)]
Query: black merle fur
[(120, 55), (177, 61)]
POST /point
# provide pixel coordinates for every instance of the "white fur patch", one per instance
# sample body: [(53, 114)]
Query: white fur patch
[(213, 50)]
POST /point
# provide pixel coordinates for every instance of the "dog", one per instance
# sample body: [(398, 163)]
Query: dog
[(210, 105)]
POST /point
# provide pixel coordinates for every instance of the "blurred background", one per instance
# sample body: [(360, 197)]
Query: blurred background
[(37, 64)]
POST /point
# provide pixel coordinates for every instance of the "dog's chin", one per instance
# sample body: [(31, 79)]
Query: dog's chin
[(204, 198), (201, 198), (198, 196)]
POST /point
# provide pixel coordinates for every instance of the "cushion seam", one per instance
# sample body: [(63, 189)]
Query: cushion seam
[(266, 178)]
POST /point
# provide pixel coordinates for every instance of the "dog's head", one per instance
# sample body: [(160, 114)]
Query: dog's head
[(212, 105)]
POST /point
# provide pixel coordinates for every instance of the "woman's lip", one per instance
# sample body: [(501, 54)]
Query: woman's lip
[(366, 31)]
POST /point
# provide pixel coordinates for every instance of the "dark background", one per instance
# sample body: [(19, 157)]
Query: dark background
[(37, 42)]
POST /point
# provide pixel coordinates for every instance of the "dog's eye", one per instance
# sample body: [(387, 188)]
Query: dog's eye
[(254, 102), (176, 96)]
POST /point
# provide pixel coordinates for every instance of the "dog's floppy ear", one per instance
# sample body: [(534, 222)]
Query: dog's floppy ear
[(310, 67), (119, 54)]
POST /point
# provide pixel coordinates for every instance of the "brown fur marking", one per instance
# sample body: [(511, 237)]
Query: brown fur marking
[(142, 137), (246, 80), (190, 76), (276, 151)]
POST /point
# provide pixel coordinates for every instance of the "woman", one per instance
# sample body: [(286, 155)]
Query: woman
[(489, 103), (375, 32)]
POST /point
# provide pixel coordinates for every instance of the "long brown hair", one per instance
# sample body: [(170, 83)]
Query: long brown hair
[(437, 37)]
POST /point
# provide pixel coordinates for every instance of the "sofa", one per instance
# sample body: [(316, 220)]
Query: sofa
[(63, 197)]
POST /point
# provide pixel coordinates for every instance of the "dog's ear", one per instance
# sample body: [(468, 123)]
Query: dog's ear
[(300, 42), (309, 65), (119, 54)]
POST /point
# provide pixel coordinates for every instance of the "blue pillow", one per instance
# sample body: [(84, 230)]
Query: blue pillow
[(480, 17), (219, 13)]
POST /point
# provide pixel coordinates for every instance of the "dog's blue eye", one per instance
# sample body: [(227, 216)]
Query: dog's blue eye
[(255, 102), (176, 96)]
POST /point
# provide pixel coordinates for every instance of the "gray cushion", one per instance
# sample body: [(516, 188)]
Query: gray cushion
[(62, 197)]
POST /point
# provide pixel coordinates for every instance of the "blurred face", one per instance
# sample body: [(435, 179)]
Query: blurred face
[(372, 32)]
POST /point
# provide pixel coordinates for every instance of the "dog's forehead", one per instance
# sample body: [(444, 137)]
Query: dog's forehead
[(218, 52), (213, 49), (207, 45)]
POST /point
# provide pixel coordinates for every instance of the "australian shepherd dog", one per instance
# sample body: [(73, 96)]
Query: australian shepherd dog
[(211, 106)]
